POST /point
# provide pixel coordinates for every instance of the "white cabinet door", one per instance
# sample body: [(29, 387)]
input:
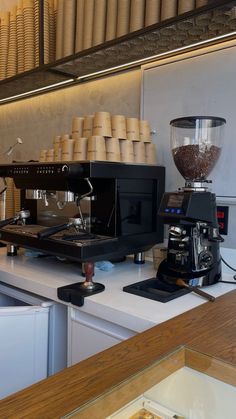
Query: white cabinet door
[(88, 335), (23, 344)]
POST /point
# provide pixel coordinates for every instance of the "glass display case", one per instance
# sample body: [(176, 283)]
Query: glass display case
[(185, 384)]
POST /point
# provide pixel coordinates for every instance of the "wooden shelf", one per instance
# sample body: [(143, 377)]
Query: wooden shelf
[(203, 24)]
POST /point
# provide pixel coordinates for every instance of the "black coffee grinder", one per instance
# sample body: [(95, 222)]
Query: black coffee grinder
[(193, 256)]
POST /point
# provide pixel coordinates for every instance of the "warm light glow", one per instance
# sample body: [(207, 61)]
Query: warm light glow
[(31, 92)]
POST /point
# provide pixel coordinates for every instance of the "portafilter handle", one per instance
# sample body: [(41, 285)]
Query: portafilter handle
[(7, 221), (21, 215), (47, 232)]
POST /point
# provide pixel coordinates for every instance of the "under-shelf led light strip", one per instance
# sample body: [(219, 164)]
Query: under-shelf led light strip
[(39, 90), (152, 58), (119, 67)]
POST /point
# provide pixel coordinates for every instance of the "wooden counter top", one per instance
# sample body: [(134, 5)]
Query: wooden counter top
[(209, 328)]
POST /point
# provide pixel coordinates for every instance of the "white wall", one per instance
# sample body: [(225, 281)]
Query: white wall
[(193, 84), (36, 120)]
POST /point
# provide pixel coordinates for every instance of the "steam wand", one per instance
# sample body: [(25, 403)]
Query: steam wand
[(11, 148)]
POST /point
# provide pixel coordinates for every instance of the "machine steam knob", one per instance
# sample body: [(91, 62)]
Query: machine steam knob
[(205, 259)]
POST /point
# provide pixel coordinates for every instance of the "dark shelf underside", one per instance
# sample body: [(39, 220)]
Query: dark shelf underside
[(203, 24)]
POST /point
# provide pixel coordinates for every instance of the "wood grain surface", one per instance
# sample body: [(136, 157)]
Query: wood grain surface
[(209, 328)]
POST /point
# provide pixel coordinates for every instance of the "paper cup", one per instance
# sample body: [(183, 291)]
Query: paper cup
[(112, 149), (96, 148), (118, 127), (132, 129), (67, 150), (139, 152), (102, 124), (80, 149), (77, 126), (126, 151), (88, 126), (144, 130), (150, 153)]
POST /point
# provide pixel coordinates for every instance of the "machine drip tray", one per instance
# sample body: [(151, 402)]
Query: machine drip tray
[(157, 290)]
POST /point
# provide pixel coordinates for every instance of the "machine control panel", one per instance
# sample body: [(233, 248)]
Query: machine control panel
[(173, 204), (36, 170)]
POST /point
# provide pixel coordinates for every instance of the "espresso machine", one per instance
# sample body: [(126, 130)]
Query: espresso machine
[(86, 212), (193, 254)]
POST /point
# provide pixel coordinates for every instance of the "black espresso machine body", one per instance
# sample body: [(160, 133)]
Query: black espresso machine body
[(193, 243), (117, 203)]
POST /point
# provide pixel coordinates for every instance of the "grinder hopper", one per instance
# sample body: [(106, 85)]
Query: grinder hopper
[(196, 145)]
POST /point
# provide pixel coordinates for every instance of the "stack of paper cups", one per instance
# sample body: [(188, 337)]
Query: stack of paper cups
[(111, 19), (144, 130), (57, 145), (67, 150), (88, 126), (102, 124), (132, 129), (4, 41), (79, 26), (9, 203), (11, 62), (127, 151), (96, 148), (59, 29), (152, 12), (69, 27), (200, 3), (42, 155), (52, 32), (57, 152), (36, 31), (185, 6), (77, 127), (112, 149), (46, 31), (150, 153), (139, 152), (137, 9), (123, 12), (65, 137), (99, 22), (118, 127), (50, 155), (80, 149), (20, 37), (88, 23), (168, 9), (29, 50)]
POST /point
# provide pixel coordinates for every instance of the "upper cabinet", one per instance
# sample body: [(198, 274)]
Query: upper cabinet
[(48, 44)]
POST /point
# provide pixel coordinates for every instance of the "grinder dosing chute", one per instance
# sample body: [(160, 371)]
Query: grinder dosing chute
[(196, 143)]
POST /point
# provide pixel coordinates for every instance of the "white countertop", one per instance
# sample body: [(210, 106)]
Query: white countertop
[(43, 276)]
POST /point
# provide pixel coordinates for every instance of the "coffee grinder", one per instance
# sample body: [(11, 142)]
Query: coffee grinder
[(193, 255)]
